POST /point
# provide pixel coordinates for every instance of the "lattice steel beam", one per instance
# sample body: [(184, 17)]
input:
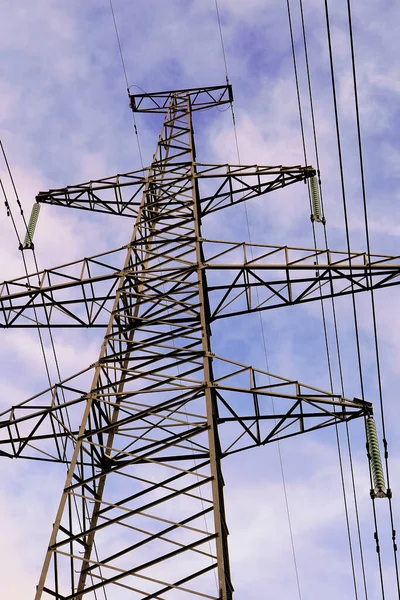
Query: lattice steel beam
[(82, 293), (45, 426), (200, 98), (224, 185)]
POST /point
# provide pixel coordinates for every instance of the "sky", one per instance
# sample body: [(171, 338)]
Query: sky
[(65, 119)]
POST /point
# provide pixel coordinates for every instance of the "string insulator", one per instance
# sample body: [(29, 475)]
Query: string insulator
[(315, 200), (28, 241), (374, 455)]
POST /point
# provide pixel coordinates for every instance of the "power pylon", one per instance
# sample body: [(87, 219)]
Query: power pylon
[(142, 510)]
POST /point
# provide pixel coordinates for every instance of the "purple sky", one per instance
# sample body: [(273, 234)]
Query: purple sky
[(65, 118)]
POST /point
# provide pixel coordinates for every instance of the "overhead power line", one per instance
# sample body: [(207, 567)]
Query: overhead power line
[(126, 80)]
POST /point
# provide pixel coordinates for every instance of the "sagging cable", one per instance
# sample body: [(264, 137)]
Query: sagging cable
[(316, 214), (374, 455), (28, 241)]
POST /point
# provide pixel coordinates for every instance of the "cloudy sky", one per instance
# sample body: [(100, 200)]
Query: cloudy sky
[(65, 119)]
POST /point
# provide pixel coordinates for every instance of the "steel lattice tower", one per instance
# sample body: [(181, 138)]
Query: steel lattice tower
[(142, 510)]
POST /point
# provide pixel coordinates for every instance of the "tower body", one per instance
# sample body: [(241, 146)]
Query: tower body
[(142, 512)]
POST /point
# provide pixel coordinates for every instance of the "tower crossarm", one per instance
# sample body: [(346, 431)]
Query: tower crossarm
[(262, 277), (220, 186), (200, 98), (116, 195), (45, 427), (226, 185), (242, 278), (76, 294), (256, 407)]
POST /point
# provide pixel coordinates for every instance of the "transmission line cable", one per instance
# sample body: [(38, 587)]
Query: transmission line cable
[(228, 83), (365, 209), (339, 149), (280, 457), (333, 307), (343, 191), (301, 120), (376, 533), (126, 81), (297, 81)]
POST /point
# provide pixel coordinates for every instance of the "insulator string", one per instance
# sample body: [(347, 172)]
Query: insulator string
[(316, 214), (28, 241), (374, 455)]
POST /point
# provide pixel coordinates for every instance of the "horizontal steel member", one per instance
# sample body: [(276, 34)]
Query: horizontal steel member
[(200, 98)]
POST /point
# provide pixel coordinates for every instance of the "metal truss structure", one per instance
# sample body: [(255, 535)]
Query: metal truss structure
[(142, 511)]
